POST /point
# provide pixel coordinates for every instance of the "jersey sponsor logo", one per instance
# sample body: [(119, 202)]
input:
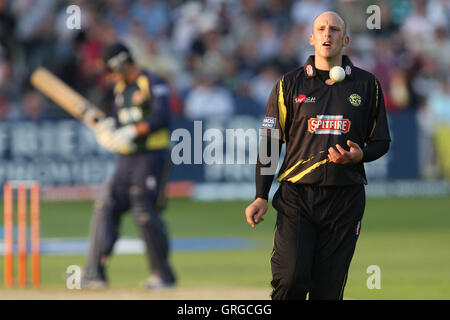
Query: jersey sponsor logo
[(355, 99), (300, 98), (304, 99), (325, 124), (269, 123)]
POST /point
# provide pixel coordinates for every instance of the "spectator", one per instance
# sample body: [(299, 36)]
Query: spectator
[(262, 84), (417, 29), (351, 12), (440, 48), (425, 82), (185, 27), (438, 12), (33, 108), (245, 43), (4, 109), (208, 99), (286, 58), (438, 103), (244, 102), (206, 50), (151, 57), (305, 11), (385, 64), (387, 24), (230, 73), (119, 17), (268, 43), (6, 75), (34, 29), (247, 55), (399, 96), (153, 14), (434, 121)]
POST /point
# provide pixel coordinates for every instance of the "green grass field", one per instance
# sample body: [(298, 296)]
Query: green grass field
[(409, 239)]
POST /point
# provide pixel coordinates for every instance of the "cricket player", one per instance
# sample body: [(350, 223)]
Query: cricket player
[(330, 129), (139, 132)]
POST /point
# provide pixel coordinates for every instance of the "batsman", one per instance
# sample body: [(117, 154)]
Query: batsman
[(138, 130)]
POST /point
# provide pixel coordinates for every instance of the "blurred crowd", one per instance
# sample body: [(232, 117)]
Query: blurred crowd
[(221, 57)]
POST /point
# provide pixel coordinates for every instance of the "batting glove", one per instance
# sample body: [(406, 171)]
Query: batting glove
[(103, 132), (115, 140), (122, 139)]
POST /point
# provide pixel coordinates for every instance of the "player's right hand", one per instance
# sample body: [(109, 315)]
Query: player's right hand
[(342, 156), (123, 138), (110, 138), (115, 140), (255, 211), (104, 133)]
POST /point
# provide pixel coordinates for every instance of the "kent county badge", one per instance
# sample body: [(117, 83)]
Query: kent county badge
[(355, 99)]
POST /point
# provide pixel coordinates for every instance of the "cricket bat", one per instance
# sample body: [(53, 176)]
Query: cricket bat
[(67, 98)]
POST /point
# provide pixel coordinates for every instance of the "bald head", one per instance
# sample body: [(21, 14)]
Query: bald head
[(329, 39), (330, 18)]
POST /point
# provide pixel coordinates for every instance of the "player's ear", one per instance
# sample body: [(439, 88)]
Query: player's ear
[(346, 40), (311, 39)]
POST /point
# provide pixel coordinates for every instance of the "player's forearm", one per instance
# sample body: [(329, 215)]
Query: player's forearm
[(375, 149), (263, 175), (263, 182)]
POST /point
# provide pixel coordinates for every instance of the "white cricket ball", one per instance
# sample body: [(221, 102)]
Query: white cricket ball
[(337, 74)]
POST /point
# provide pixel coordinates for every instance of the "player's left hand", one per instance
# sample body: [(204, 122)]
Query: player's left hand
[(255, 211), (341, 156)]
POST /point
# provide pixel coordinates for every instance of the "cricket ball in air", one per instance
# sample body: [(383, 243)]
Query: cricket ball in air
[(337, 74)]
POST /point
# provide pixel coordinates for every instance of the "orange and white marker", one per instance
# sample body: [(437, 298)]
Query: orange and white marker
[(8, 235), (22, 234), (35, 251)]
